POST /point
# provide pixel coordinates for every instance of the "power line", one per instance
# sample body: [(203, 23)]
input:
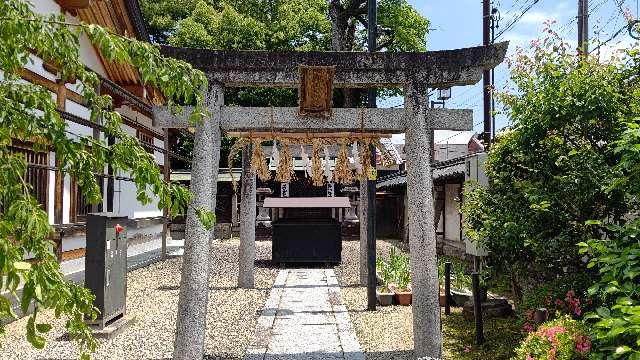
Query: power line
[(610, 38), (517, 18), (458, 133)]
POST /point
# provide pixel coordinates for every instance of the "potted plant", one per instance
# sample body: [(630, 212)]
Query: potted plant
[(402, 289), (399, 264), (383, 293)]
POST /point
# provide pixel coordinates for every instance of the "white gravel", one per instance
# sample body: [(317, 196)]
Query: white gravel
[(386, 333), (232, 313), (152, 296)]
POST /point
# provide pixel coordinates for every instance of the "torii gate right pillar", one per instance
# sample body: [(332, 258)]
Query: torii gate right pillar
[(427, 336)]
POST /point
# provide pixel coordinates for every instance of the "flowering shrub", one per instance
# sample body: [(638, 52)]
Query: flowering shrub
[(561, 339), (563, 296)]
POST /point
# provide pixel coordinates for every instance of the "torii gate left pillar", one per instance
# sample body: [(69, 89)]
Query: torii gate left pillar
[(194, 280)]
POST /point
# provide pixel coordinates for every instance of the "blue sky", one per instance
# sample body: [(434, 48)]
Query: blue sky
[(458, 24)]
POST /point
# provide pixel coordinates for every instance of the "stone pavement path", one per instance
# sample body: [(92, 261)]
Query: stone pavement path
[(304, 319)]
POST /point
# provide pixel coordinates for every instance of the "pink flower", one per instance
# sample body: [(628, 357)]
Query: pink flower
[(559, 302), (528, 327), (530, 314), (529, 357), (583, 344), (467, 349), (551, 332), (578, 311), (571, 294)]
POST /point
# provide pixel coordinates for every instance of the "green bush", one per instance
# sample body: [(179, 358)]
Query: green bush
[(615, 323), (561, 339)]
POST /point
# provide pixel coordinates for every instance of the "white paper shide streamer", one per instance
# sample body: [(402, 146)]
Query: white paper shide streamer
[(306, 161), (275, 154), (327, 166), (356, 158)]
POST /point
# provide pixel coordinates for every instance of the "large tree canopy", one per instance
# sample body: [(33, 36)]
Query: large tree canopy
[(283, 24), (302, 25)]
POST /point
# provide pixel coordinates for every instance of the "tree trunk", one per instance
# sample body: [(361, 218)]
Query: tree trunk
[(343, 33)]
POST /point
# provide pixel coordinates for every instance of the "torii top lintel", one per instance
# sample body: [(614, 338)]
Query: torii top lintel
[(443, 68)]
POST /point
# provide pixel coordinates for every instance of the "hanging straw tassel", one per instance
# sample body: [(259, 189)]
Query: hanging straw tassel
[(341, 173), (387, 157), (235, 149), (258, 161), (284, 172), (365, 158), (316, 164)]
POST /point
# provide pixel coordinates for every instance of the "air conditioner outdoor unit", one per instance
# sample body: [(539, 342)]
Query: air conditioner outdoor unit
[(475, 171)]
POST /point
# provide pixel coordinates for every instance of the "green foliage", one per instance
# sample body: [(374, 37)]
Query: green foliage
[(459, 278), (561, 339), (616, 324), (408, 27), (502, 337), (547, 172), (567, 173), (28, 113)]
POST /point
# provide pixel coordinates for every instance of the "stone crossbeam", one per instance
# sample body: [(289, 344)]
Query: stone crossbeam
[(444, 68), (256, 119)]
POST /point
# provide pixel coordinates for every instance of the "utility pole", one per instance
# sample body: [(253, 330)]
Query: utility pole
[(495, 24), (486, 74), (583, 26), (371, 182)]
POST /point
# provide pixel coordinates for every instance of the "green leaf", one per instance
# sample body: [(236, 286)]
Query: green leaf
[(22, 265), (43, 328), (207, 218), (603, 312)]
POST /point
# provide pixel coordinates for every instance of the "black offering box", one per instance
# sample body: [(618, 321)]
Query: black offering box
[(307, 233)]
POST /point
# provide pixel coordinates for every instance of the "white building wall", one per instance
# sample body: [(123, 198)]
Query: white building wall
[(444, 152), (66, 199), (51, 189), (125, 201), (452, 212)]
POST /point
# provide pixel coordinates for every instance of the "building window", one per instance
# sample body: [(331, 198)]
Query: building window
[(146, 139), (37, 174), (80, 207)]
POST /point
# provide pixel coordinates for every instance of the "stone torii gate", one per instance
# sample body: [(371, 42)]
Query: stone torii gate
[(414, 72)]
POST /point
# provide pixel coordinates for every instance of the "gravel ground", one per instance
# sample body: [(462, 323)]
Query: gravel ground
[(386, 333), (152, 296)]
